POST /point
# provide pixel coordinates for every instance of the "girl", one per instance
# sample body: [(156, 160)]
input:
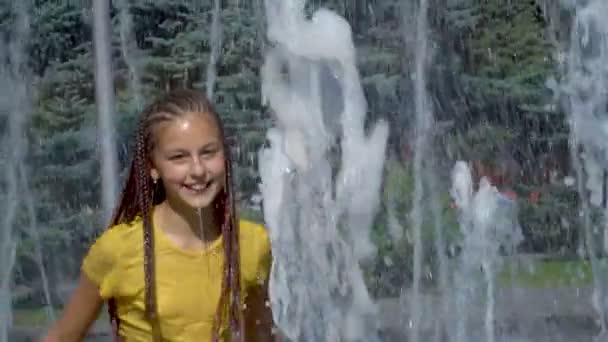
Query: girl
[(176, 265)]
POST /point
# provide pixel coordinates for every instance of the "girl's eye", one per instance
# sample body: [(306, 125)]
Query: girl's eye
[(209, 153), (176, 157)]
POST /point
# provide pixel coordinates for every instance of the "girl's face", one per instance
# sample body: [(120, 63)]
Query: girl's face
[(188, 157)]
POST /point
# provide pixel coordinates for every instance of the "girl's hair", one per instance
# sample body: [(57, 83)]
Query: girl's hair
[(140, 194)]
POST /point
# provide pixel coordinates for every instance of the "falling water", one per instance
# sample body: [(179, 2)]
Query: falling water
[(33, 229), (319, 223), (33, 232), (585, 89), (216, 44), (17, 102), (104, 96), (440, 248), (8, 239), (462, 191), (128, 49), (488, 222), (423, 125)]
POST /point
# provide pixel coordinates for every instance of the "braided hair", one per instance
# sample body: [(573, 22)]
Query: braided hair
[(140, 194)]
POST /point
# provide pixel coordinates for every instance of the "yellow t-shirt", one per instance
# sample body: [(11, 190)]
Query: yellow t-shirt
[(188, 282)]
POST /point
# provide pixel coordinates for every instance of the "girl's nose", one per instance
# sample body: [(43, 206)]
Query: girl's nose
[(198, 168)]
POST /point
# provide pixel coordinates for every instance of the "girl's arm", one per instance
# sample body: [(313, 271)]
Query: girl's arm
[(80, 312), (258, 316)]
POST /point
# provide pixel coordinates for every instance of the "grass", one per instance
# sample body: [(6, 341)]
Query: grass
[(29, 317), (550, 273)]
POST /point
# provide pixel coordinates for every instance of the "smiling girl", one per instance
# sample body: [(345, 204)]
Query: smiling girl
[(176, 264)]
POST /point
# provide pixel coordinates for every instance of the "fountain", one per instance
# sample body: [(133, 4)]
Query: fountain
[(322, 176), (129, 49), (216, 46), (104, 96), (488, 223), (585, 97), (423, 122), (318, 220), (299, 203), (8, 239), (17, 103)]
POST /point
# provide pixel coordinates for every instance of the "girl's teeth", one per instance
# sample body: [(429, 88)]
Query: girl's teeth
[(197, 188)]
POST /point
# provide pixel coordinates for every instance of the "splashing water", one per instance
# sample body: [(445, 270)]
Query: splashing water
[(8, 238), (128, 49), (216, 45), (17, 103), (584, 90), (488, 223), (104, 96), (319, 221), (32, 231), (424, 120)]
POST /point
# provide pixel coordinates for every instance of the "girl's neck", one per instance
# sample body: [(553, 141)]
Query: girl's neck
[(187, 223)]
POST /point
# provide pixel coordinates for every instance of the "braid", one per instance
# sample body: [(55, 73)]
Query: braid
[(114, 319), (237, 322), (145, 205), (225, 284), (230, 298), (225, 305)]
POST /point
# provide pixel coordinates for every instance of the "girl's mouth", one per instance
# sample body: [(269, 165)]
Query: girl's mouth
[(197, 187)]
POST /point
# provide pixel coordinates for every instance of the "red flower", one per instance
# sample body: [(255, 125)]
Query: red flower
[(534, 196)]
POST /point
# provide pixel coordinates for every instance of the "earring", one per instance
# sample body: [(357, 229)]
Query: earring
[(154, 185), (154, 188)]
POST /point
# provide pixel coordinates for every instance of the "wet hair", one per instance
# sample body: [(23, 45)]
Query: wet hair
[(140, 194)]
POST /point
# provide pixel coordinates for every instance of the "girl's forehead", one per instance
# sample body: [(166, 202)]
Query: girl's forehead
[(187, 122), (187, 128)]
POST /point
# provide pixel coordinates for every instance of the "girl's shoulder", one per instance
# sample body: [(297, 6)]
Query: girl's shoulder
[(123, 234), (116, 242), (106, 257)]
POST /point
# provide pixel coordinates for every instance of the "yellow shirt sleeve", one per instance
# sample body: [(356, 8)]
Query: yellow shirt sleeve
[(100, 263)]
